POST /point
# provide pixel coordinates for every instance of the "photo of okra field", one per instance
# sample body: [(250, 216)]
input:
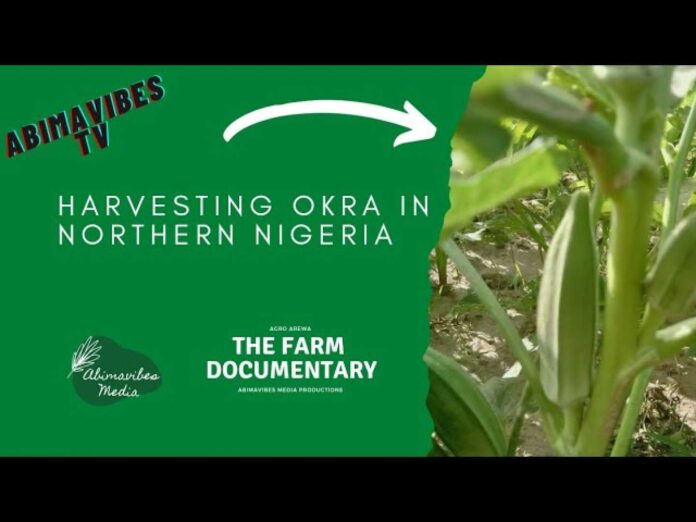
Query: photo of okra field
[(563, 312)]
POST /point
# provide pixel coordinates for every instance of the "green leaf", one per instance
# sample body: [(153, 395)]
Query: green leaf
[(580, 81), (498, 76), (673, 338), (554, 110), (464, 419), (627, 81), (480, 140), (642, 91), (690, 203), (676, 448), (584, 72), (505, 395), (523, 173), (437, 451)]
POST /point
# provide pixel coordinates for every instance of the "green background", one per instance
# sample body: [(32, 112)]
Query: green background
[(181, 305)]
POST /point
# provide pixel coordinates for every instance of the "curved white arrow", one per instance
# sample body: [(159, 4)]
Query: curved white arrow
[(419, 127)]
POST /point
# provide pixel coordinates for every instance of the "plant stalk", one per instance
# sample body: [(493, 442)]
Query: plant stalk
[(652, 320), (670, 215), (622, 445), (572, 421), (596, 205), (676, 174), (514, 439), (441, 262), (489, 300)]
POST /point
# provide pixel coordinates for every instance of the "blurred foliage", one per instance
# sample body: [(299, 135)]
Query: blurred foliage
[(511, 183)]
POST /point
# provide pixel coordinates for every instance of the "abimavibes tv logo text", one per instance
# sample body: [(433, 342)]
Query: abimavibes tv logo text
[(85, 121)]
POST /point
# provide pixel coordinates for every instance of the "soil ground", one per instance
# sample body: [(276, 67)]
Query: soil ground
[(462, 329)]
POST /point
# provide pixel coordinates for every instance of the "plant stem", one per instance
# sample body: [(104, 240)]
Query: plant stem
[(632, 191), (441, 262), (507, 329), (522, 214), (626, 262), (514, 439), (596, 205), (676, 174), (500, 316), (652, 320), (572, 420), (630, 416)]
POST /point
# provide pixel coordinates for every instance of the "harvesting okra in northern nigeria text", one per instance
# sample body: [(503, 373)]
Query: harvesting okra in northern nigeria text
[(348, 220)]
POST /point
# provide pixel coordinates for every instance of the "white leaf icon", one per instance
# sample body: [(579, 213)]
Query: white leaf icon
[(85, 356)]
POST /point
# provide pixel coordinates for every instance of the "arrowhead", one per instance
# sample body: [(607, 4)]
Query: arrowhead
[(420, 127)]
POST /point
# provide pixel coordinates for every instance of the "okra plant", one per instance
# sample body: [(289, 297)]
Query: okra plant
[(588, 376)]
